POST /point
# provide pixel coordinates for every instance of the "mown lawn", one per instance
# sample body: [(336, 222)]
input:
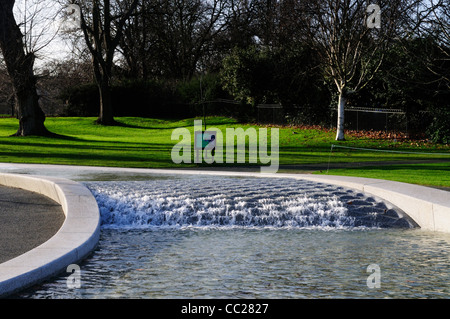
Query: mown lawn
[(146, 143), (428, 174)]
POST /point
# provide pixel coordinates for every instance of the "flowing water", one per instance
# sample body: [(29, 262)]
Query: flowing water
[(244, 202), (223, 237)]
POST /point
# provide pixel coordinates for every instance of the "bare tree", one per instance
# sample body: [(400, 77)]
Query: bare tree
[(184, 33), (137, 44), (241, 27), (436, 23), (350, 43), (177, 38), (36, 20), (102, 23), (20, 65)]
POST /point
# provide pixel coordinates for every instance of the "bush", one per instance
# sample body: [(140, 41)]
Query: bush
[(129, 98), (147, 99), (439, 130), (205, 95), (290, 77), (81, 100)]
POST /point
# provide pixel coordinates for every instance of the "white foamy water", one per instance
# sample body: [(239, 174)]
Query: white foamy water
[(215, 237), (238, 202)]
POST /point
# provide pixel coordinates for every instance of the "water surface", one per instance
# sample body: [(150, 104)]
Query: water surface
[(260, 263)]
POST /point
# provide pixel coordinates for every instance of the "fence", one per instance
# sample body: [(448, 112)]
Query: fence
[(270, 114), (378, 119)]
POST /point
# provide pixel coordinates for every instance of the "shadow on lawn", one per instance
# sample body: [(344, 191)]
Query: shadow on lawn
[(177, 123), (87, 145), (411, 165)]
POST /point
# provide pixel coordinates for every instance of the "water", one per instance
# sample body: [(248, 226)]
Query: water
[(242, 202), (266, 263), (252, 238)]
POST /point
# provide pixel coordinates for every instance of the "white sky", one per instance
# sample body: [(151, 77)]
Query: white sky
[(42, 20)]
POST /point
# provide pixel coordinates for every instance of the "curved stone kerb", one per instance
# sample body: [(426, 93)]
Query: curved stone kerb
[(76, 238)]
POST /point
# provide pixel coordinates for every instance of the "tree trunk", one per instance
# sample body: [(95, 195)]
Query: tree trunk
[(105, 116), (30, 115), (340, 116), (20, 69)]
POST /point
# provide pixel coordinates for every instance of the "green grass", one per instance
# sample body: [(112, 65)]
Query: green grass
[(428, 174), (146, 143)]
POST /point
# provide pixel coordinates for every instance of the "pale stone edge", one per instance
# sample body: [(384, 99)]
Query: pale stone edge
[(77, 237)]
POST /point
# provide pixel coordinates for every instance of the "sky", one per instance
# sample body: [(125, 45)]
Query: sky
[(41, 21)]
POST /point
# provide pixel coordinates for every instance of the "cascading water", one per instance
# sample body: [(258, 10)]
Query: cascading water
[(239, 202)]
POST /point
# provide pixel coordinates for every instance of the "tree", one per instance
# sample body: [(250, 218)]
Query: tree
[(249, 75), (6, 91), (20, 66), (137, 42), (173, 39), (438, 27), (102, 23), (241, 27), (349, 44), (418, 74)]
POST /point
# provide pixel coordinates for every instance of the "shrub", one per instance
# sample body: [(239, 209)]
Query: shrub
[(439, 130), (82, 100), (129, 98)]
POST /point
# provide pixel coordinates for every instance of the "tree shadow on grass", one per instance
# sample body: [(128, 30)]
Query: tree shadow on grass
[(171, 121), (88, 145), (64, 137), (51, 135)]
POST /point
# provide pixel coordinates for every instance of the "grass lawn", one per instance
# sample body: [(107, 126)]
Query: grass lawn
[(428, 174), (146, 143)]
